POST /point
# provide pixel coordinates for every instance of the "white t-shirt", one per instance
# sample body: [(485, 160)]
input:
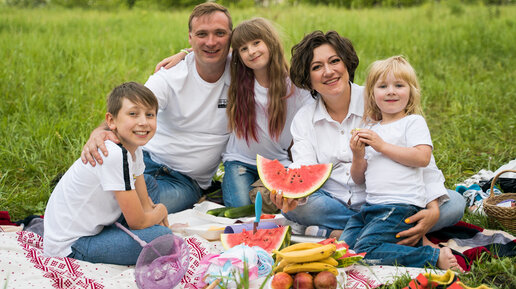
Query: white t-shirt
[(389, 182), (267, 146), (83, 202), (320, 139), (192, 128)]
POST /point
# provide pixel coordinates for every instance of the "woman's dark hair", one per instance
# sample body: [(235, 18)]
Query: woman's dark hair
[(303, 54)]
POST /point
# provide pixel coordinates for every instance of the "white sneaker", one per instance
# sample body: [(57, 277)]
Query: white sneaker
[(316, 231)]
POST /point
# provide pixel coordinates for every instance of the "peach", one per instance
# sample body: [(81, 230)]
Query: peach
[(325, 280), (303, 280), (281, 280)]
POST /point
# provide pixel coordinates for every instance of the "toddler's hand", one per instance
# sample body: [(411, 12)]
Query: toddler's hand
[(369, 137)]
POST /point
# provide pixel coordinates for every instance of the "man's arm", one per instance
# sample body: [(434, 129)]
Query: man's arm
[(90, 151)]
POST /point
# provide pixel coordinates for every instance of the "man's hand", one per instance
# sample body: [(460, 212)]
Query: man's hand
[(425, 220), (170, 61), (90, 150), (284, 204)]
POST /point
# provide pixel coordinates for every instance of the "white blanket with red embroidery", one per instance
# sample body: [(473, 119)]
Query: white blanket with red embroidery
[(22, 265)]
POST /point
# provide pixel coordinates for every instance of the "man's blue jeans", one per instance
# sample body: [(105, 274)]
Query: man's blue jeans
[(175, 190), (373, 231), (237, 181)]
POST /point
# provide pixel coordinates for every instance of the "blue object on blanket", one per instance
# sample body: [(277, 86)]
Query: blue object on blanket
[(238, 228)]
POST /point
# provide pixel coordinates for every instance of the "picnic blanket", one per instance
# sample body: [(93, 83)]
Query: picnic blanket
[(22, 264)]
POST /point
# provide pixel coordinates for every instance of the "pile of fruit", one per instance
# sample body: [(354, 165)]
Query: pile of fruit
[(304, 280)]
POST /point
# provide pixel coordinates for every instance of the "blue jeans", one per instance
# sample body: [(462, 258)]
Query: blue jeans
[(175, 190), (451, 212), (114, 246), (321, 210), (237, 181), (373, 231)]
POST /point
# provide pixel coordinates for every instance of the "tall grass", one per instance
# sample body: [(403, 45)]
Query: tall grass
[(58, 65)]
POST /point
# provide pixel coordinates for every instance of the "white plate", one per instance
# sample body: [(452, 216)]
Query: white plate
[(210, 232)]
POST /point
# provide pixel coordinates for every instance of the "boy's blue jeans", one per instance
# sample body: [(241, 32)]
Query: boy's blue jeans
[(373, 230), (173, 189), (114, 246), (237, 181)]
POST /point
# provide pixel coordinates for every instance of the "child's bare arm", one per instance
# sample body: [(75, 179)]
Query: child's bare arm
[(359, 164), (417, 156), (143, 195), (134, 214)]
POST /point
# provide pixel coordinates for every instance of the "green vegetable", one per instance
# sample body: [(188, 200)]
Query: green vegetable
[(244, 211), (217, 211)]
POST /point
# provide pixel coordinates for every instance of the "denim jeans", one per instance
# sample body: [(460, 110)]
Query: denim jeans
[(373, 231), (237, 181), (321, 210), (451, 212), (175, 190), (114, 246)]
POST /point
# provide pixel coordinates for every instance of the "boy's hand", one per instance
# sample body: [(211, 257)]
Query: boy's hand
[(96, 141)]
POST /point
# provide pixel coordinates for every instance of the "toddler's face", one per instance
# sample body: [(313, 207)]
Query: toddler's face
[(391, 95)]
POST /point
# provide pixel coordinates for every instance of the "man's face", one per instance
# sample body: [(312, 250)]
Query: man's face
[(209, 39)]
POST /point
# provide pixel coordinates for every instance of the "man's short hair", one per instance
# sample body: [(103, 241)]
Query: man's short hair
[(206, 9)]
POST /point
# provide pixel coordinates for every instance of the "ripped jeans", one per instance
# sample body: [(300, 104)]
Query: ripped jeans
[(373, 230), (237, 181)]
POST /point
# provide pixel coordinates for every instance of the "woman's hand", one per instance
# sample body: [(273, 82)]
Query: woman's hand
[(96, 141), (425, 220), (284, 204)]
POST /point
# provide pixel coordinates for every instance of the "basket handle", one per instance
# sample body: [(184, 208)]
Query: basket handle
[(493, 181)]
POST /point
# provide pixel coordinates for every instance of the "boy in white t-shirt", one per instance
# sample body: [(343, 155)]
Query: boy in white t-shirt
[(389, 158), (87, 201)]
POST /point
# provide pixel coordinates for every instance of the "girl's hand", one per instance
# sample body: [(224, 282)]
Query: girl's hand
[(284, 204), (371, 138), (357, 146)]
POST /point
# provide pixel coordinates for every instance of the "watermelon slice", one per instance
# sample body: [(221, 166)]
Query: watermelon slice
[(294, 183), (267, 239)]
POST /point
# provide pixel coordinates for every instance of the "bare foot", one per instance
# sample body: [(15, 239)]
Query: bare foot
[(447, 260), (427, 242), (335, 234)]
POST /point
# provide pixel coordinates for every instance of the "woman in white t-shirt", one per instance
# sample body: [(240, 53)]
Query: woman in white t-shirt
[(325, 64), (261, 105)]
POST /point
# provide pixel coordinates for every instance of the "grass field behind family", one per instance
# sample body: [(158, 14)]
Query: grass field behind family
[(58, 66)]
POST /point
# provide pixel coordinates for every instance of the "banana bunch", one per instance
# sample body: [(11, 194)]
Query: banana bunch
[(306, 257)]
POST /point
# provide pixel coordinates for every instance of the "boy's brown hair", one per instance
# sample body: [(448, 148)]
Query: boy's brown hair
[(134, 92)]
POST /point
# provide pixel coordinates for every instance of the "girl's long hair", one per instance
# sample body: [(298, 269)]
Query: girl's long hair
[(400, 68), (241, 108)]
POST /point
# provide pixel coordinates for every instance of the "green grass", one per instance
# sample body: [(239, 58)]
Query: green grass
[(58, 65)]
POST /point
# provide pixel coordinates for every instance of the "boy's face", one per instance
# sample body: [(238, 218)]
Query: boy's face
[(134, 125)]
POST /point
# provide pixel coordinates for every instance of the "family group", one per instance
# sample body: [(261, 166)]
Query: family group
[(162, 142)]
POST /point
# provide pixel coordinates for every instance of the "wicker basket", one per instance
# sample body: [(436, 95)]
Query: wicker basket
[(504, 216)]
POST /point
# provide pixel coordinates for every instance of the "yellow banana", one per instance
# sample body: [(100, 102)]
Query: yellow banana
[(308, 255), (280, 266), (329, 261), (298, 247), (310, 267)]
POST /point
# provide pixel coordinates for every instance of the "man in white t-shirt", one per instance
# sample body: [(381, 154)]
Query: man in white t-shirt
[(192, 130)]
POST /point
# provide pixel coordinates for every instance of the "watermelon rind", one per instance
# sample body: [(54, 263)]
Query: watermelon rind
[(290, 190), (282, 239)]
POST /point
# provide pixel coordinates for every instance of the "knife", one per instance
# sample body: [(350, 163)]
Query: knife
[(257, 210)]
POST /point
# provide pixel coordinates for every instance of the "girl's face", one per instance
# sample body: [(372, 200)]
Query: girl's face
[(391, 94), (328, 73), (255, 54)]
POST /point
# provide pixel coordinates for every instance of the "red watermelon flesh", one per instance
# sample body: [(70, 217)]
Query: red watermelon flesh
[(267, 239), (294, 183)]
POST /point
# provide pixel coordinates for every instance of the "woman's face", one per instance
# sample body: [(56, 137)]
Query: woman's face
[(255, 54), (328, 73)]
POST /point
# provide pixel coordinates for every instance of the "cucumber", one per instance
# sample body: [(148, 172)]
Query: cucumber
[(244, 211), (217, 211)]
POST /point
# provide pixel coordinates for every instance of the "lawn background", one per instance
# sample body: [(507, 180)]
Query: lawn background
[(59, 64)]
